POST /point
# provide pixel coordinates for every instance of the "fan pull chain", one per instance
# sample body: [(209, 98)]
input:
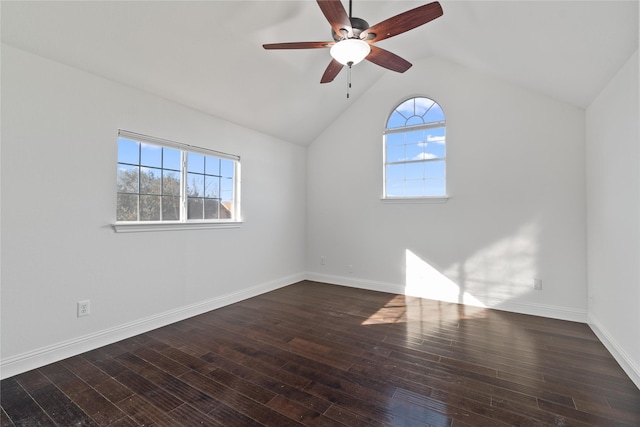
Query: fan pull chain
[(349, 78)]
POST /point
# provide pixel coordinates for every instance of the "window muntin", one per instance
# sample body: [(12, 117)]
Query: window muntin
[(415, 150), (164, 181)]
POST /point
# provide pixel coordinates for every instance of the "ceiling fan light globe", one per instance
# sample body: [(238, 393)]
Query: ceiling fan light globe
[(350, 51)]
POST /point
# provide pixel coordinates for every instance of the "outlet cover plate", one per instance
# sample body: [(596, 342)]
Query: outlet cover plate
[(84, 308)]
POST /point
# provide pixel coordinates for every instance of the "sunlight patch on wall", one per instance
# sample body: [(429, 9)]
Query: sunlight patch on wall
[(492, 275), (501, 271), (422, 280), (495, 274)]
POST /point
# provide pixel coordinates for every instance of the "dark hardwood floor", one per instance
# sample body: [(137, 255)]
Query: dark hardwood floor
[(313, 354)]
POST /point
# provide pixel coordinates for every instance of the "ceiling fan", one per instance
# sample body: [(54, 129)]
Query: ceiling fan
[(354, 39)]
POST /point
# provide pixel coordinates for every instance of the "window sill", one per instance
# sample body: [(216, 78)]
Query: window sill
[(413, 200), (136, 227)]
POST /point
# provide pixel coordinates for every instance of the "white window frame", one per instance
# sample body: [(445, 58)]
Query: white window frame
[(387, 131), (184, 223)]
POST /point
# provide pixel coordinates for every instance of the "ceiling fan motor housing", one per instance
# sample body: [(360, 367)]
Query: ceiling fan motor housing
[(357, 24)]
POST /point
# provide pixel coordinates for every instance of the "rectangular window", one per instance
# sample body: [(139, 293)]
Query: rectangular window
[(160, 181)]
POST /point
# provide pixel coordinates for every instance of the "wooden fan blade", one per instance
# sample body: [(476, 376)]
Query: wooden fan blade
[(334, 11), (403, 22), (331, 72), (298, 45), (388, 60)]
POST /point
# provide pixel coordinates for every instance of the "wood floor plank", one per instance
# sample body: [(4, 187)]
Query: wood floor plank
[(302, 414), (60, 408), (146, 414), (21, 409), (313, 354), (97, 406), (190, 416), (5, 421)]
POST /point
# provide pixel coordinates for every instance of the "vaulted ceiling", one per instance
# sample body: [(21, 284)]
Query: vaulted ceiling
[(208, 55)]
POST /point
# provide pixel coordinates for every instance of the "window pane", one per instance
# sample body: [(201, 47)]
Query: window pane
[(414, 120), (127, 179), (395, 172), (226, 186), (414, 137), (171, 159), (212, 166), (211, 208), (149, 208), (150, 180), (127, 207), (170, 183), (414, 188), (128, 151), (396, 120), (195, 185), (394, 139), (422, 105), (194, 208), (435, 145), (414, 170), (226, 168), (151, 155), (395, 153), (211, 186), (395, 188), (434, 169), (436, 135), (407, 108), (434, 187), (414, 152), (435, 114), (170, 208), (226, 210), (195, 162)]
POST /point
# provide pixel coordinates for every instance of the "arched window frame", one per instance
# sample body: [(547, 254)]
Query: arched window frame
[(415, 152)]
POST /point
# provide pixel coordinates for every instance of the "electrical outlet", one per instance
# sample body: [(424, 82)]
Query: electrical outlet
[(321, 260), (84, 308), (537, 284)]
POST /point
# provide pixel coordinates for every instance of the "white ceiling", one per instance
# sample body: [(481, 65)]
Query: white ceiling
[(208, 54)]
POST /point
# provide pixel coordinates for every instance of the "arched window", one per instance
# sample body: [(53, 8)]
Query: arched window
[(414, 150)]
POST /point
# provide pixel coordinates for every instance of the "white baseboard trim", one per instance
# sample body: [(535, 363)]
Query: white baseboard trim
[(618, 353), (554, 312), (542, 310), (42, 356), (352, 282)]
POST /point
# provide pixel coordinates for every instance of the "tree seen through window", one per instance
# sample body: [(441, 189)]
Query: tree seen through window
[(153, 185)]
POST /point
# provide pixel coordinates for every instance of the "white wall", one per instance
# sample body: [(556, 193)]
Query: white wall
[(59, 129), (515, 164), (613, 216)]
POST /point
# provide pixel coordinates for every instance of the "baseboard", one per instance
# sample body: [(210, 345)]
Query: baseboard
[(36, 358), (554, 312), (618, 353), (356, 283), (542, 310)]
